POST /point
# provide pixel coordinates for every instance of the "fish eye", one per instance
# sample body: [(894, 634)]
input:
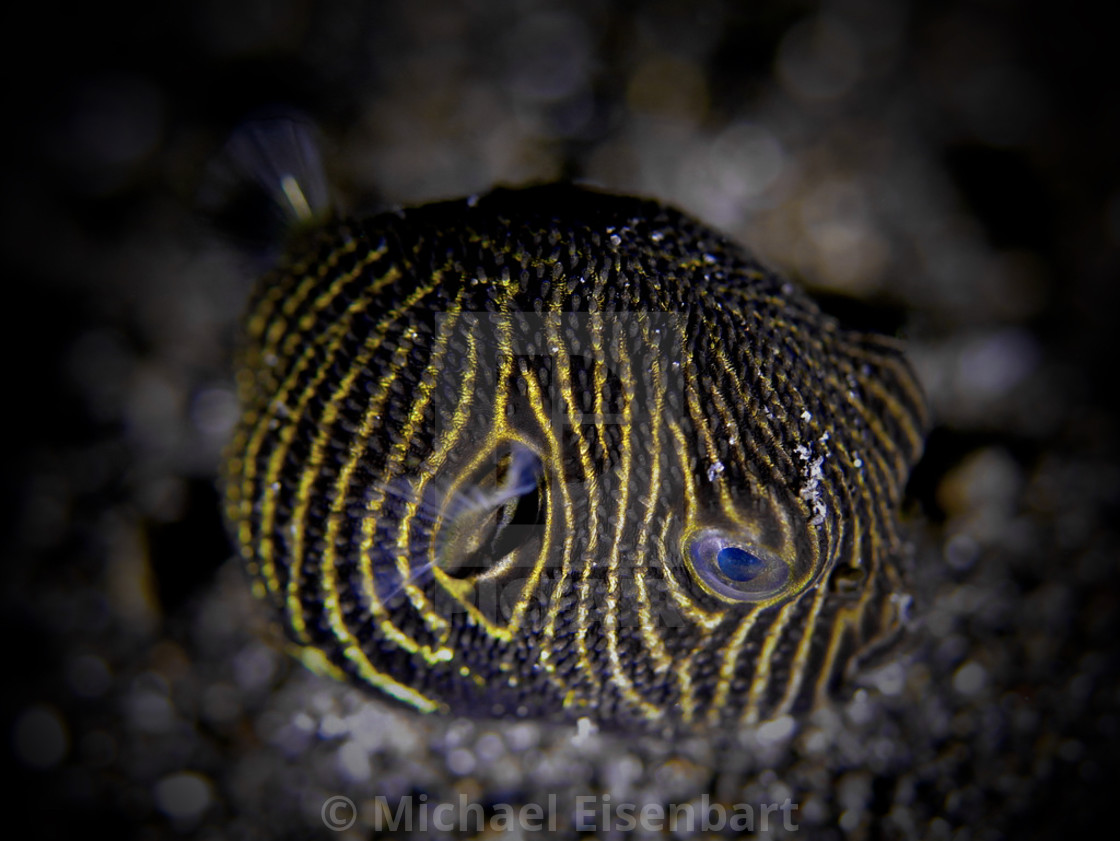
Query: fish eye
[(730, 566), (738, 564)]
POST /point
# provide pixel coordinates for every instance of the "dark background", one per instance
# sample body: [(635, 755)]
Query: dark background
[(947, 171)]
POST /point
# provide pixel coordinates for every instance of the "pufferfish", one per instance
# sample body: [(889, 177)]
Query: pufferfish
[(550, 453)]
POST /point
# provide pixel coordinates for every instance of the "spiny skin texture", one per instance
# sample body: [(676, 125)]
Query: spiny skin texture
[(553, 453)]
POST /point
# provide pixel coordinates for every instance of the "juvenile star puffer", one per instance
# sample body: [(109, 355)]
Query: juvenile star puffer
[(551, 453)]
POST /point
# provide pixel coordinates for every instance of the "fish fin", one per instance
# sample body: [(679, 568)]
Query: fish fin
[(267, 180)]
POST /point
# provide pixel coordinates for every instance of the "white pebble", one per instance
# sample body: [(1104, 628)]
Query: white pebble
[(970, 678), (183, 796)]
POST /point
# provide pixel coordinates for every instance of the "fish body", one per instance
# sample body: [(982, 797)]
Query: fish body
[(552, 453)]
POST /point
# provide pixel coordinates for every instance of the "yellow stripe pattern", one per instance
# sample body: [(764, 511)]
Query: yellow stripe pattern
[(500, 457)]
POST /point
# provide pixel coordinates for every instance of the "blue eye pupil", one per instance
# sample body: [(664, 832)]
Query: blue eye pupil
[(739, 564)]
